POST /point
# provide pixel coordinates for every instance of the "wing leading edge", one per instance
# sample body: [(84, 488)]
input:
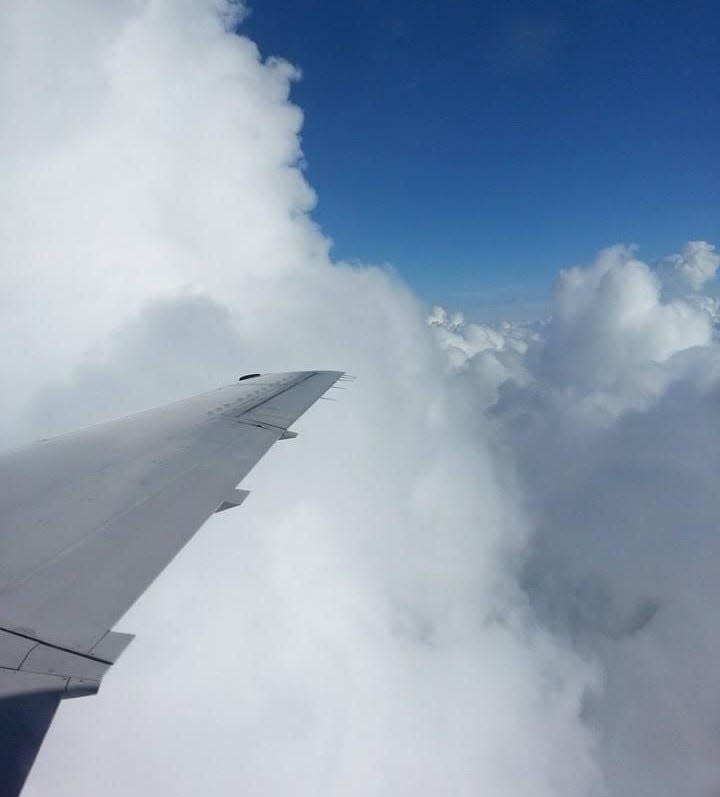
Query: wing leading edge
[(89, 519)]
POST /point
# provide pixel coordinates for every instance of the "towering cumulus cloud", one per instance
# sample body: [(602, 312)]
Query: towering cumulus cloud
[(487, 568), (609, 414)]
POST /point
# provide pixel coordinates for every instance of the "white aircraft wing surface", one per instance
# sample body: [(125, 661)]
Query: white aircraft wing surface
[(89, 519)]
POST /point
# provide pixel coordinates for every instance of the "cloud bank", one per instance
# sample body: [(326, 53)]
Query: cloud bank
[(485, 569), (610, 417)]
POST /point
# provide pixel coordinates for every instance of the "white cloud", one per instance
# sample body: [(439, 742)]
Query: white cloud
[(357, 628), (612, 430), (697, 264), (610, 330)]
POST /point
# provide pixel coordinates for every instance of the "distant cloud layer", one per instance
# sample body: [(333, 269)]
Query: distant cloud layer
[(488, 568)]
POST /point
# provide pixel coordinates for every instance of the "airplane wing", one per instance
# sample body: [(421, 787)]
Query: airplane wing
[(89, 519)]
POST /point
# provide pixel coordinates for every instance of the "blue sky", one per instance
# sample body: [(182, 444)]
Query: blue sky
[(480, 146)]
